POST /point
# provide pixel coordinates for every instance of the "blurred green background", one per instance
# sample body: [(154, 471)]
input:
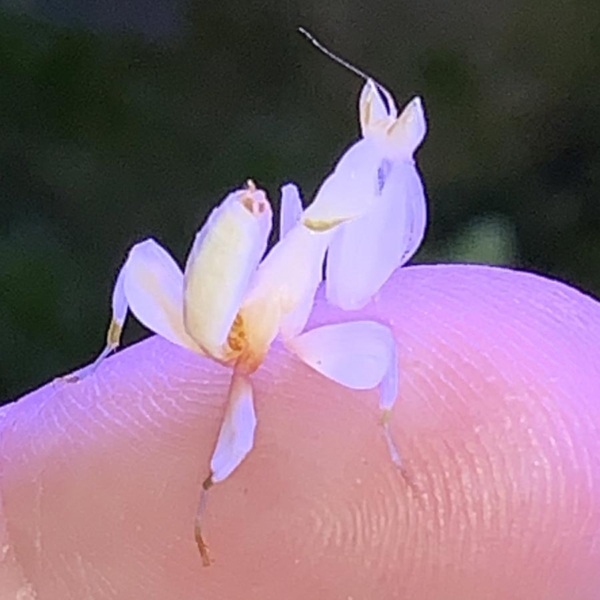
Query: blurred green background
[(122, 122)]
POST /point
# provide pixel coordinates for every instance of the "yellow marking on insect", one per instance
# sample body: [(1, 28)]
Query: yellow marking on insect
[(386, 417), (320, 225), (252, 200), (237, 339), (250, 361), (113, 335)]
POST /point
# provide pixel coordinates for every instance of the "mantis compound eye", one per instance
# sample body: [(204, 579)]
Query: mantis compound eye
[(383, 173)]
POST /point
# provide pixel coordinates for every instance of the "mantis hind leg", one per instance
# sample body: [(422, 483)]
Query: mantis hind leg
[(113, 335)]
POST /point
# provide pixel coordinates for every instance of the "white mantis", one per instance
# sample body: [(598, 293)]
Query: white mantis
[(375, 188), (229, 303), (230, 306)]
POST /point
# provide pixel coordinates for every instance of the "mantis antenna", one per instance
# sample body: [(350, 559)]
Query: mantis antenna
[(315, 42), (380, 89)]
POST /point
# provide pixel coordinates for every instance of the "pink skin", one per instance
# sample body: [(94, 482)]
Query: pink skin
[(498, 421)]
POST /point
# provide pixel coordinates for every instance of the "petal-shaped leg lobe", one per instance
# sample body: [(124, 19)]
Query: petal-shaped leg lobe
[(365, 252), (220, 265), (308, 248), (348, 192), (291, 209), (289, 276), (119, 314), (416, 213), (153, 288), (150, 284), (356, 354), (236, 437), (359, 355), (119, 301)]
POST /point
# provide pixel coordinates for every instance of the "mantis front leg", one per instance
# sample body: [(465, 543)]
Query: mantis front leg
[(150, 284)]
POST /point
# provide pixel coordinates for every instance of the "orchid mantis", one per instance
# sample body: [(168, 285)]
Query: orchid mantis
[(376, 193), (229, 305)]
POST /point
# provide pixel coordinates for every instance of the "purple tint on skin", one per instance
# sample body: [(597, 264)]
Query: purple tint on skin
[(498, 421)]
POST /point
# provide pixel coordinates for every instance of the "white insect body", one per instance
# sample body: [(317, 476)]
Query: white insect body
[(375, 192), (369, 216), (376, 188), (229, 305)]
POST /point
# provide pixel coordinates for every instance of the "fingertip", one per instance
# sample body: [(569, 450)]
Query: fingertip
[(496, 423)]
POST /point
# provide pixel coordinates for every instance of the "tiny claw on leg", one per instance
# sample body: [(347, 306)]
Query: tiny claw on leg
[(202, 547), (395, 455), (90, 369), (113, 339)]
